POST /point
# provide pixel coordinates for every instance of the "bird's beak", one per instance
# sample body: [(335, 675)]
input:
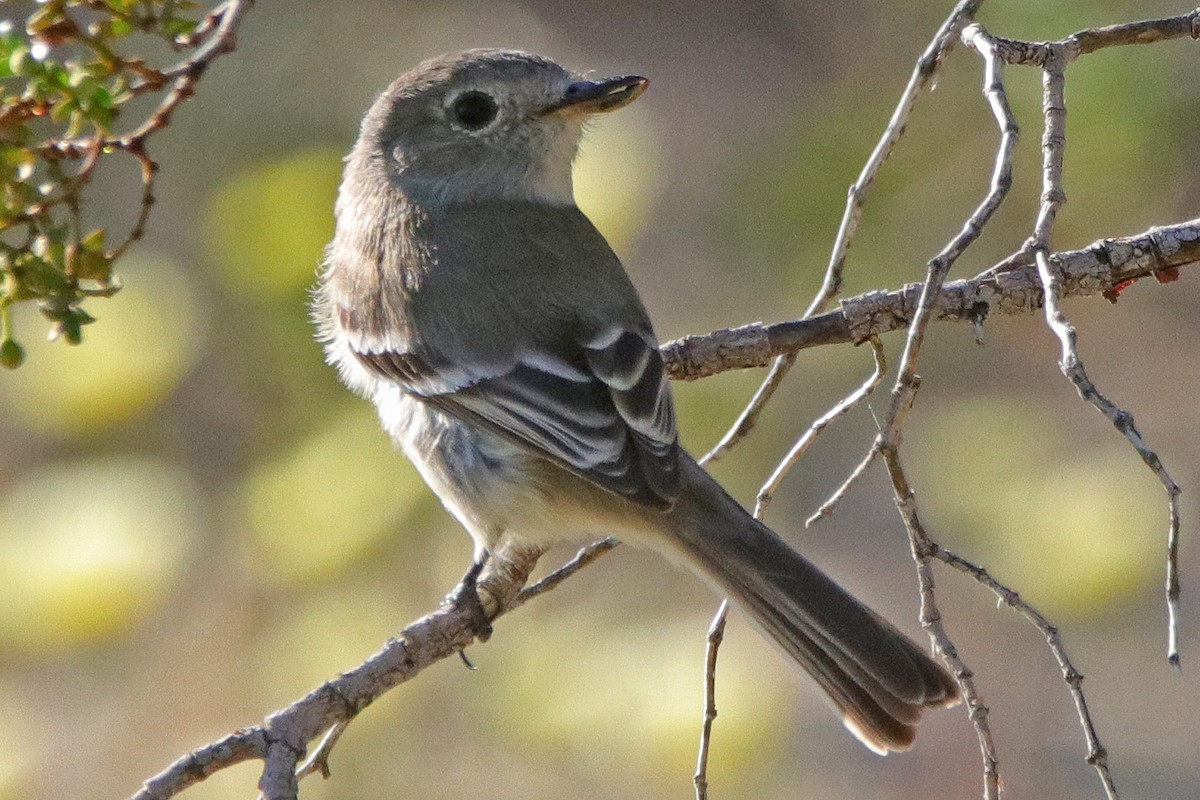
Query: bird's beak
[(583, 98)]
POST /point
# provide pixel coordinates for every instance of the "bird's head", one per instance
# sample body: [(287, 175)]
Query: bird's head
[(484, 124)]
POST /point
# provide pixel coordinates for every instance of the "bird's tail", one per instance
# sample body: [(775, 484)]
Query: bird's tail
[(877, 678)]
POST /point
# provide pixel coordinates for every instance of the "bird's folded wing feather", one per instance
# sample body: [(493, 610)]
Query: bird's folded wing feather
[(600, 407)]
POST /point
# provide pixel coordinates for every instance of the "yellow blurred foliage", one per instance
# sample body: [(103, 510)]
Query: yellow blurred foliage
[(619, 174), (631, 694), (269, 224), (88, 548), (1078, 531), (145, 341), (350, 622), (312, 510)]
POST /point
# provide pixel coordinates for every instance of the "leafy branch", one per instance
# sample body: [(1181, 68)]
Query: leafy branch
[(65, 89)]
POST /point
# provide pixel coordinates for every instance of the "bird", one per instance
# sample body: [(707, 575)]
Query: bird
[(511, 359)]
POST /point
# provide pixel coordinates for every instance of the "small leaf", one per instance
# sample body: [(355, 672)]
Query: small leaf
[(179, 27), (92, 265), (94, 240), (19, 60), (12, 355)]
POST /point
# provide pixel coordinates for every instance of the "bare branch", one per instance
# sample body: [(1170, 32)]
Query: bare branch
[(282, 739), (923, 74), (1097, 755), (716, 635), (827, 508), (585, 556), (767, 492), (1089, 41), (243, 745), (1054, 58), (923, 549), (1102, 268)]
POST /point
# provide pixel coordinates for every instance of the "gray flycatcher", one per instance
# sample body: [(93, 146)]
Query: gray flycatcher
[(511, 359)]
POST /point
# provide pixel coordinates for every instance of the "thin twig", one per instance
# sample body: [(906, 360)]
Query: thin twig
[(1072, 367), (1058, 55), (318, 761), (923, 74), (923, 548), (905, 387), (581, 559), (827, 508), (749, 416), (1097, 755), (868, 387), (716, 635)]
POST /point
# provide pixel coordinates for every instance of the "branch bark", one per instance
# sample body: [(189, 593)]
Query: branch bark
[(282, 739), (1105, 267)]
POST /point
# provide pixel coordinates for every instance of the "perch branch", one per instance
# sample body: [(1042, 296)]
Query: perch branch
[(282, 738)]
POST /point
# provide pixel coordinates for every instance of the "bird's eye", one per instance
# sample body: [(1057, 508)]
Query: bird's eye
[(474, 110)]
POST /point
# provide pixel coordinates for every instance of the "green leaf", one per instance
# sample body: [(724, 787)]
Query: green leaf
[(19, 60), (119, 28), (179, 27), (93, 265), (94, 240), (12, 355)]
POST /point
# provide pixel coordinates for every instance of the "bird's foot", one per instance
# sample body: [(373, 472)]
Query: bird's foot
[(465, 596)]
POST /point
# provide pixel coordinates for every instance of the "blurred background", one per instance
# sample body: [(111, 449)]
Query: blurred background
[(198, 524)]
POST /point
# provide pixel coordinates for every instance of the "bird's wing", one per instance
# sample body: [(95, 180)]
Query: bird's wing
[(601, 407)]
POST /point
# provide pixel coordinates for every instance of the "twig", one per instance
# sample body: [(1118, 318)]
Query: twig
[(904, 390), (767, 492), (1087, 41), (827, 508), (1097, 755), (923, 73), (585, 556), (716, 635), (318, 761), (1054, 59), (924, 548)]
